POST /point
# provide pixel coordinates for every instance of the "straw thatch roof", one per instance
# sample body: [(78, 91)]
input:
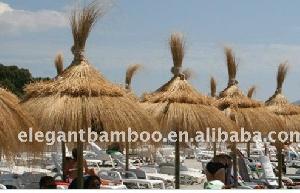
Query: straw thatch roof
[(178, 105), (13, 119), (251, 91), (279, 104), (82, 97), (130, 72), (59, 63), (213, 87), (246, 112)]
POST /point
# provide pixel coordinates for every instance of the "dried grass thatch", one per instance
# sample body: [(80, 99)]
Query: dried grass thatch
[(13, 119), (59, 63), (246, 112), (82, 97), (82, 21), (231, 66), (177, 45), (279, 105), (213, 87), (177, 105), (278, 98), (251, 91), (130, 72)]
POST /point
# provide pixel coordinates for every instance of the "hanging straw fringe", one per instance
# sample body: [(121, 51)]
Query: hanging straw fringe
[(177, 46), (213, 87), (82, 21), (251, 91), (231, 66), (131, 71), (59, 63), (281, 74)]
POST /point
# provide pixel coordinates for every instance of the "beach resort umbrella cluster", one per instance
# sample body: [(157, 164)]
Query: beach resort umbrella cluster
[(178, 106), (288, 113), (81, 96), (244, 111)]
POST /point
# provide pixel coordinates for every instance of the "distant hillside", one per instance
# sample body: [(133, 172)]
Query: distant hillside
[(14, 78)]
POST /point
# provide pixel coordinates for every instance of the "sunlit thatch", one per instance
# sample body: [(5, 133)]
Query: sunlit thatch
[(213, 87), (59, 63), (82, 97), (130, 72), (13, 119), (246, 112), (177, 104), (251, 91), (279, 105)]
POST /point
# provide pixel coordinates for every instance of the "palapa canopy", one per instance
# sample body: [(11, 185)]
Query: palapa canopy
[(81, 95), (246, 112), (288, 113), (279, 104), (251, 92), (81, 98), (130, 72), (177, 104), (213, 87), (13, 119)]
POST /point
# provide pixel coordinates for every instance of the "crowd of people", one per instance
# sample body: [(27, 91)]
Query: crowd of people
[(218, 172)]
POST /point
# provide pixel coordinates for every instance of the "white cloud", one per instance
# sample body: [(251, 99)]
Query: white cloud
[(14, 21)]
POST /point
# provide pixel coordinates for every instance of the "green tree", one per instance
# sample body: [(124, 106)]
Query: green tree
[(14, 78)]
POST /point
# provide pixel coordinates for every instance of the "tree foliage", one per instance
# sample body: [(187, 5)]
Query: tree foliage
[(14, 78)]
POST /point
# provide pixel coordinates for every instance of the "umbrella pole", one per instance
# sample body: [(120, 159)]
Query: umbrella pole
[(79, 164), (215, 148), (235, 172), (266, 149), (177, 161), (279, 157), (127, 155), (63, 155), (248, 148)]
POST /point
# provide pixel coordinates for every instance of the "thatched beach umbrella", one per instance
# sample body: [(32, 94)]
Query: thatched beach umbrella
[(213, 87), (130, 72), (247, 113), (59, 63), (81, 97), (289, 113), (178, 106), (251, 91), (13, 119), (213, 92)]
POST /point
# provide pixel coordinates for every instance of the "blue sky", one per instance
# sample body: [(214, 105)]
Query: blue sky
[(263, 33)]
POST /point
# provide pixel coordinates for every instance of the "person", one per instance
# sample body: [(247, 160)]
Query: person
[(226, 160), (92, 182), (47, 182), (215, 174), (89, 182), (71, 167)]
